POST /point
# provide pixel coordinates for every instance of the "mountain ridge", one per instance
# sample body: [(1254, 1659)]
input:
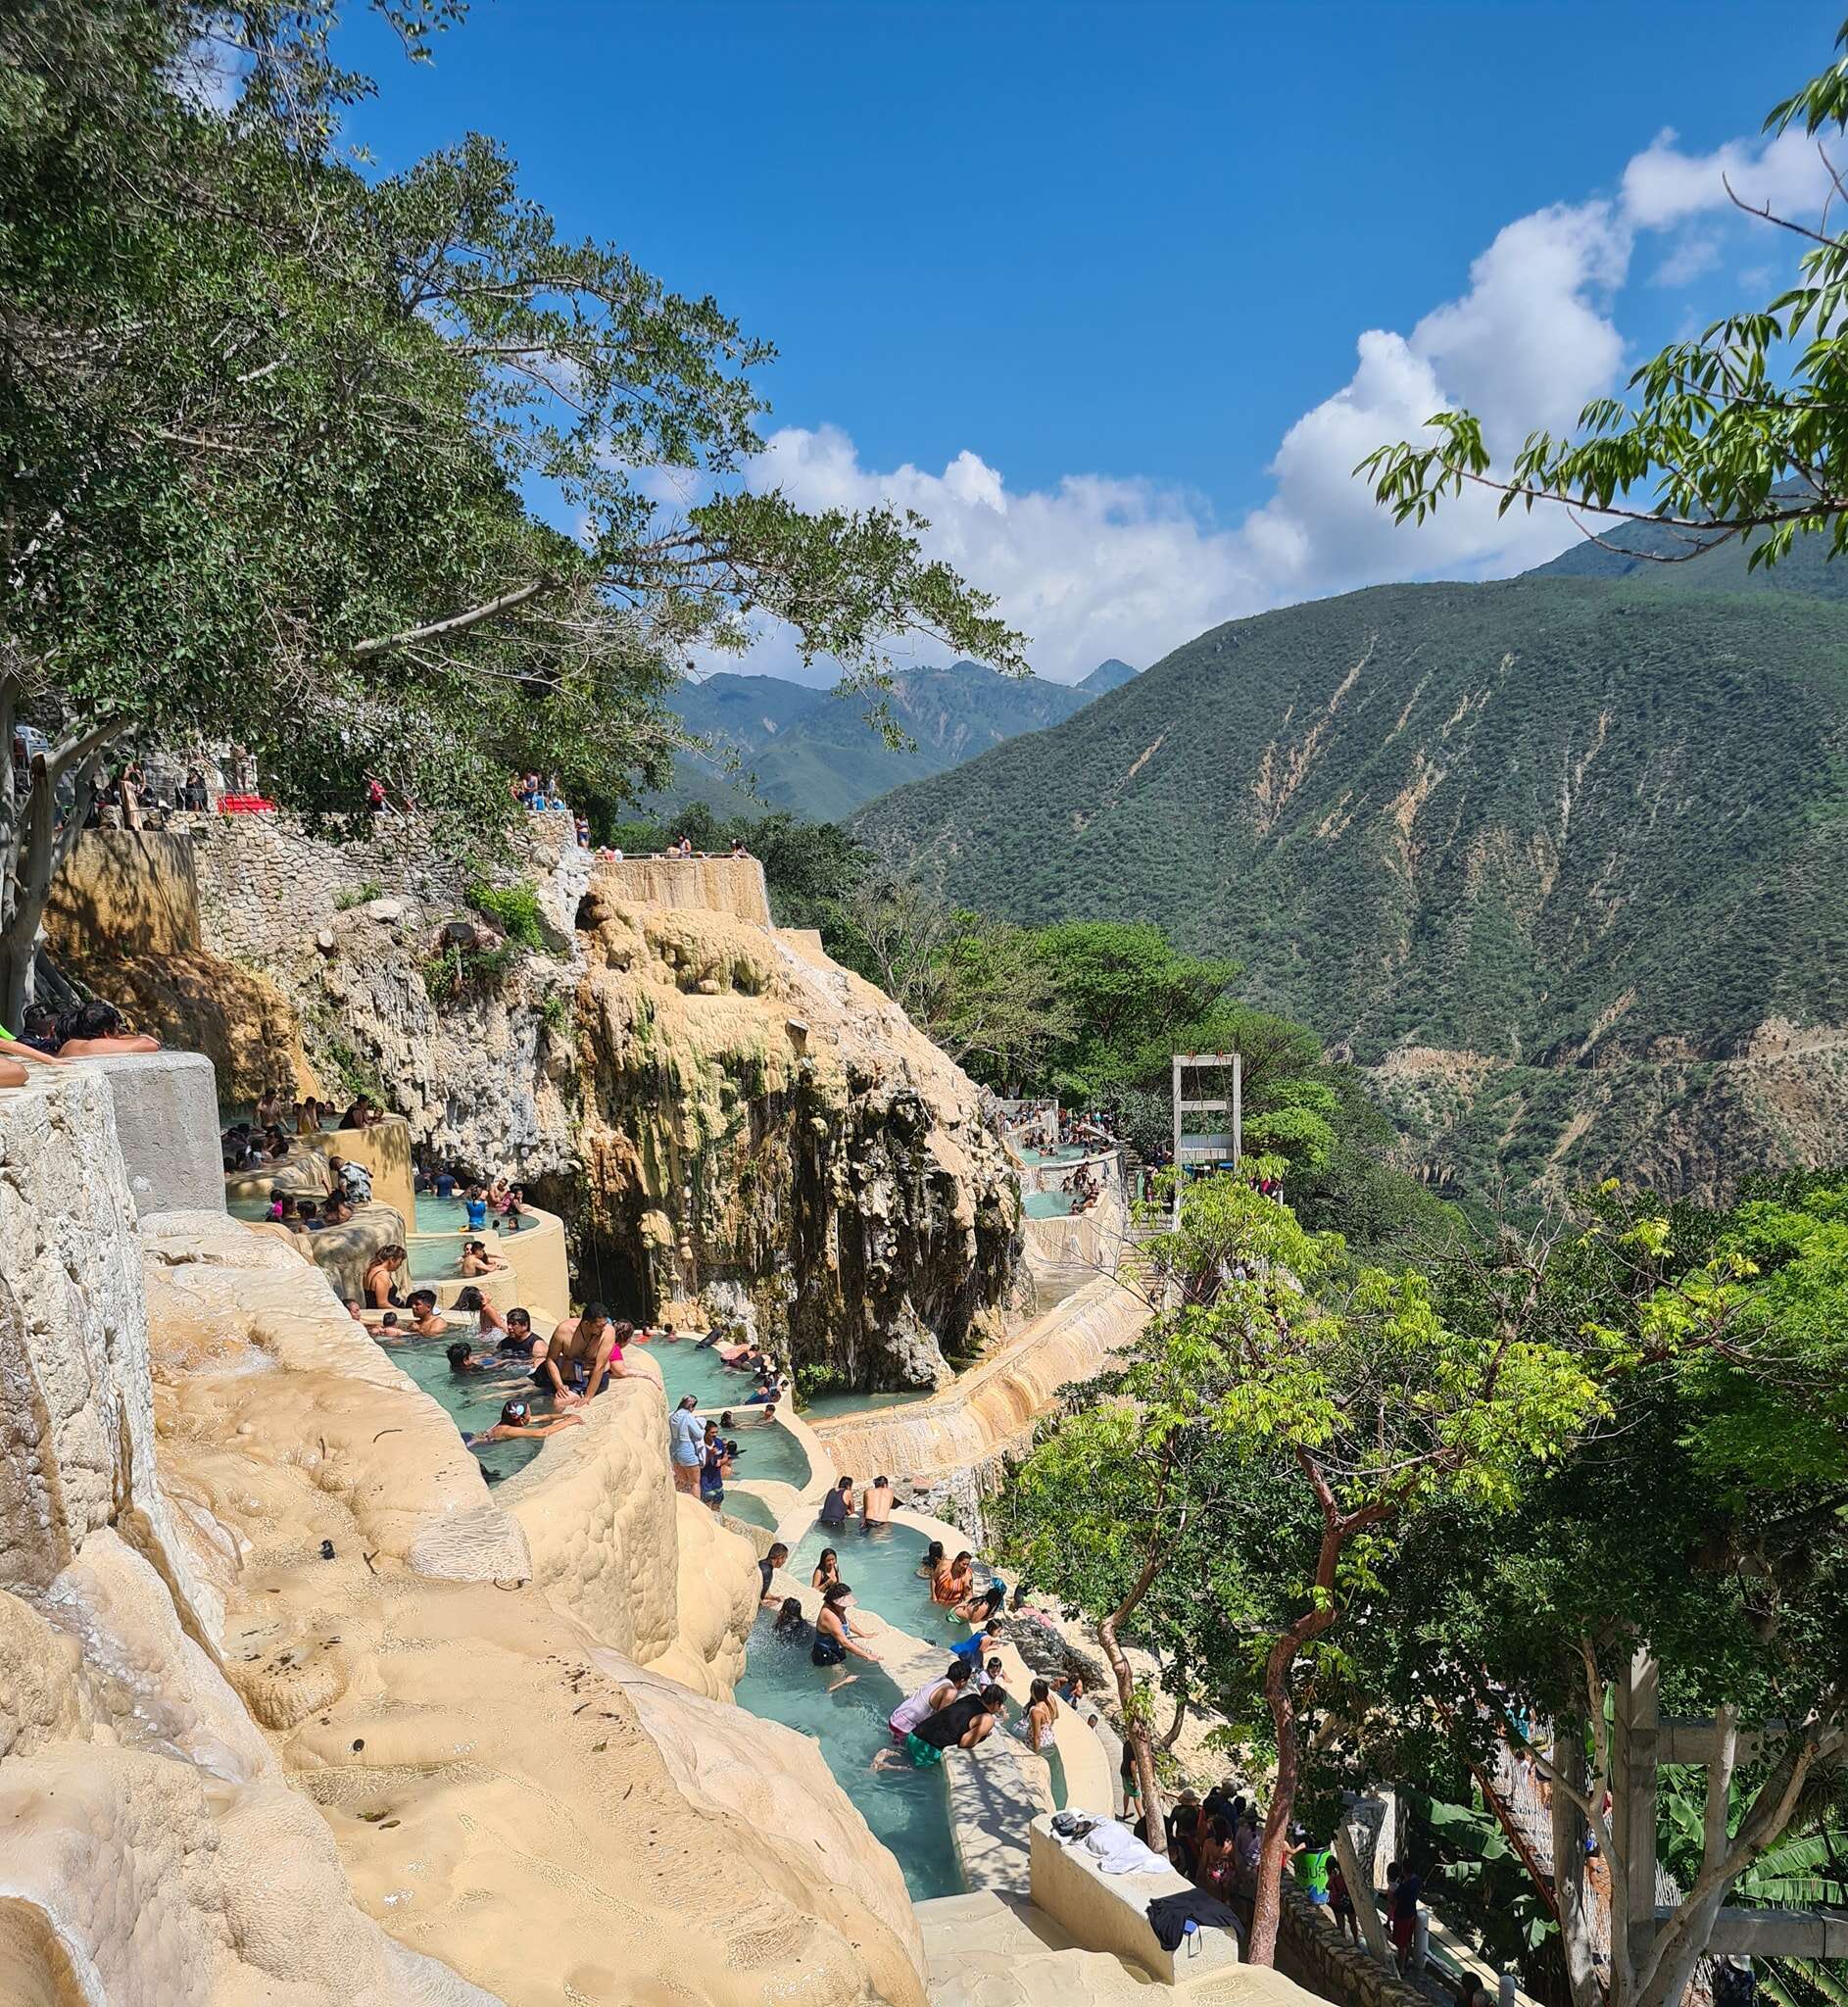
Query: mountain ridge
[(1569, 826), (814, 752)]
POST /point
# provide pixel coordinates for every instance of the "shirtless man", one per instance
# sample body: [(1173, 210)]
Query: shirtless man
[(422, 1322), (588, 1344), (876, 1504)]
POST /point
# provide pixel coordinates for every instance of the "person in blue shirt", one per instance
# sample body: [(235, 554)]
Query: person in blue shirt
[(972, 1648), (476, 1205), (445, 1183)]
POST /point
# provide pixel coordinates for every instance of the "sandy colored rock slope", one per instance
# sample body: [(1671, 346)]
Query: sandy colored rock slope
[(507, 1809)]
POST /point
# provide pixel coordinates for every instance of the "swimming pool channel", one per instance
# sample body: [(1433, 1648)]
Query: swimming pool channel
[(881, 1568), (909, 1810), (472, 1400)]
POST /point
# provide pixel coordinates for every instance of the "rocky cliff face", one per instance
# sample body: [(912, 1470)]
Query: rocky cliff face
[(768, 1136), (283, 1715)]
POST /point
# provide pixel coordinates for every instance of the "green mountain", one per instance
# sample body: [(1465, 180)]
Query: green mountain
[(1562, 860), (813, 751), (1110, 674)]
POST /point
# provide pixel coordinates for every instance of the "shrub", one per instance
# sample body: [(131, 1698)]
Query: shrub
[(357, 895), (514, 908)]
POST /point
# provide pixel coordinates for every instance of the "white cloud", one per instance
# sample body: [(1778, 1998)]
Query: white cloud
[(1663, 185), (1097, 566), (1696, 254)]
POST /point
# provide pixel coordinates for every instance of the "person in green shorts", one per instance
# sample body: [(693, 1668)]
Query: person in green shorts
[(1312, 1868), (960, 1725)]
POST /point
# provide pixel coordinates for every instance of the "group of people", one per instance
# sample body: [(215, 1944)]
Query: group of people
[(536, 793), (498, 1199), (1085, 1190), (700, 1453), (957, 1708), (93, 1030)]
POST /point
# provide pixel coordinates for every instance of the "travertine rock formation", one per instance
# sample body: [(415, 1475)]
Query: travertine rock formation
[(251, 1573), (768, 1133)]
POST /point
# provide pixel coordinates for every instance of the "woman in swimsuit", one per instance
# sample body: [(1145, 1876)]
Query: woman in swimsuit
[(381, 1273), (931, 1561), (954, 1584), (1040, 1709), (827, 1571), (833, 1640)]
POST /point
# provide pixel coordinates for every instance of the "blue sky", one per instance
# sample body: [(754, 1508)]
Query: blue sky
[(1006, 249)]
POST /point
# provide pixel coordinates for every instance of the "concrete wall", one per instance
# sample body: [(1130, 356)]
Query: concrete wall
[(167, 1122), (713, 885), (1109, 1912)]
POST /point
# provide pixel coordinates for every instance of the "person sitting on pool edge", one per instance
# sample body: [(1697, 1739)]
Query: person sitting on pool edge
[(582, 1354), (838, 1506), (973, 1646), (961, 1725), (516, 1420)]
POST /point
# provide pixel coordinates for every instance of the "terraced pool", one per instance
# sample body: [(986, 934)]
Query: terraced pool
[(909, 1810)]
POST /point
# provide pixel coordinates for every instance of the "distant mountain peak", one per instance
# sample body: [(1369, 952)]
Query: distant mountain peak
[(1110, 674)]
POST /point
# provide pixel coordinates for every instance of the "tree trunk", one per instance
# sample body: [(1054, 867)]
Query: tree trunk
[(1136, 1735), (1570, 1897), (1268, 1902)]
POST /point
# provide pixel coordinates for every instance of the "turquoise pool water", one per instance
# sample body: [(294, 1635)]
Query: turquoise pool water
[(473, 1400), (254, 1206), (742, 1505), (767, 1449), (686, 1369), (434, 1260), (825, 1404), (881, 1569), (909, 1810), (1047, 1205), (1066, 1153)]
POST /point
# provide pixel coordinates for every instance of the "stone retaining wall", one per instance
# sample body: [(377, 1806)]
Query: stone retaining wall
[(1313, 1951)]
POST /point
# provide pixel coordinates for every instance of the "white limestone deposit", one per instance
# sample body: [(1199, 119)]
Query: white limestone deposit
[(284, 1718)]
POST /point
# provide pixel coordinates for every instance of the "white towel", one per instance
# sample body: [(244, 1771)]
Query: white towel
[(1118, 1851)]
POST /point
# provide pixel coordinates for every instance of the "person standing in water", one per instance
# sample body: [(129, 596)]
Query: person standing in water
[(833, 1640), (876, 1504)]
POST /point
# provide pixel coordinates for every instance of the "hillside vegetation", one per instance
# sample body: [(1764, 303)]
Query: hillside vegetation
[(1562, 859), (783, 744)]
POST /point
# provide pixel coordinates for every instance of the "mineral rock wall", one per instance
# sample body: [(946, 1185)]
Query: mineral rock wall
[(282, 1717), (769, 1136)]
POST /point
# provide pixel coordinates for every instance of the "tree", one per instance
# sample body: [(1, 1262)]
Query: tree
[(1699, 1520), (272, 422), (1739, 432), (1249, 1471)]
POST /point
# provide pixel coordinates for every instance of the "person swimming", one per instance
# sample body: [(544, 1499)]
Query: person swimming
[(516, 1420)]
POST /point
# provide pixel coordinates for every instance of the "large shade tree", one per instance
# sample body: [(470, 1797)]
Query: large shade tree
[(1246, 1477), (286, 440), (1702, 1519)]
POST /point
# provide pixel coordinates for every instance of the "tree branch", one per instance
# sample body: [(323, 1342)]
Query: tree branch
[(456, 624)]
